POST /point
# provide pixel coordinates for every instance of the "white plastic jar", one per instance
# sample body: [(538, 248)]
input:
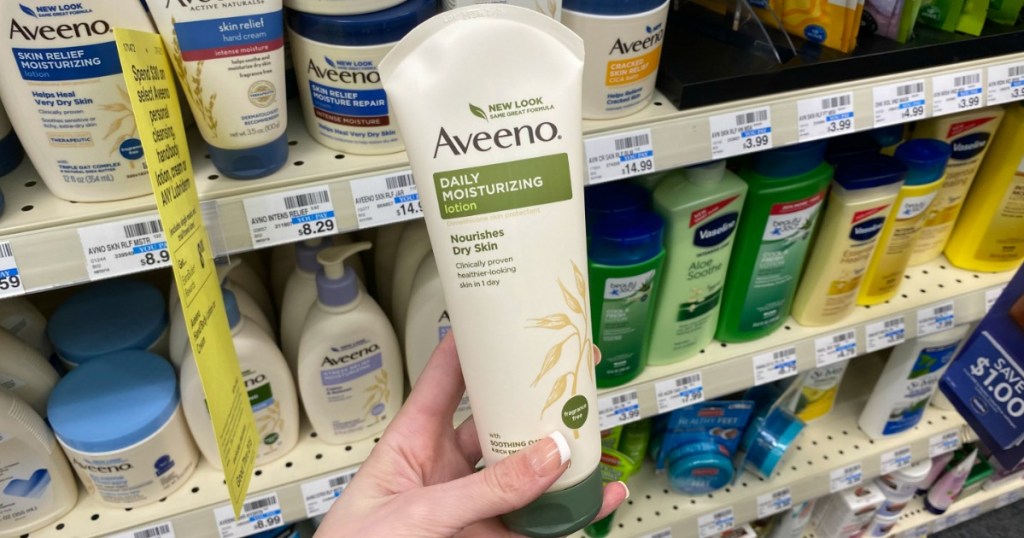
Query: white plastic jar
[(899, 487), (551, 8), (119, 420), (66, 97), (340, 7), (623, 41), (336, 60), (109, 316)]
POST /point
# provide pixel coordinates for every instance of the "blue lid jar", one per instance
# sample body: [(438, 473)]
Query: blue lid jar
[(699, 467), (789, 161), (113, 402), (626, 241), (770, 439), (386, 26), (925, 159), (105, 317), (870, 171), (612, 7)]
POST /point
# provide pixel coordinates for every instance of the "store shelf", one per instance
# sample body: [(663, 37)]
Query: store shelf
[(190, 509), (827, 446), (729, 368), (42, 229)]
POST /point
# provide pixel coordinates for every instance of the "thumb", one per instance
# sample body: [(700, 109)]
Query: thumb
[(502, 488)]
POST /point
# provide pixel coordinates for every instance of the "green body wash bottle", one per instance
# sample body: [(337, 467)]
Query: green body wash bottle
[(701, 207), (786, 189), (626, 256)]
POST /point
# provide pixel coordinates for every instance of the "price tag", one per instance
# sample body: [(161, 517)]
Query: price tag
[(774, 502), (663, 533), (775, 365), (845, 478), (385, 199), (935, 319), (124, 247), (821, 117), (160, 530), (944, 523), (619, 156), (895, 460), (957, 92), (1008, 498), (258, 514), (970, 514), (920, 531), (737, 133), (1005, 83), (943, 443), (715, 523), (899, 103), (679, 392), (320, 494), (618, 409), (885, 334), (287, 217), (10, 278), (991, 296), (838, 347)]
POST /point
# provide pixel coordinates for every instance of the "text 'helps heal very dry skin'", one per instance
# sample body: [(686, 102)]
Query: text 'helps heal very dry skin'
[(498, 162)]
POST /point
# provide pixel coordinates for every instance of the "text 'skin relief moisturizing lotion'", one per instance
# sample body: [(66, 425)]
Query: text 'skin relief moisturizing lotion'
[(499, 164)]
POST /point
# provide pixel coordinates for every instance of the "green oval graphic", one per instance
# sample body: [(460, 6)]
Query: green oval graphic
[(270, 439), (575, 412)]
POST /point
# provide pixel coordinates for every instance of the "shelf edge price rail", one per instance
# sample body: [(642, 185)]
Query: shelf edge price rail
[(737, 133), (287, 217), (620, 156), (154, 100), (385, 199), (124, 247)]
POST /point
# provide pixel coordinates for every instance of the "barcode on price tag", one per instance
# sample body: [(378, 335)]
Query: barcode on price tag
[(847, 477), (679, 392), (920, 531), (160, 530), (10, 277), (385, 199), (715, 523), (899, 103), (1008, 498), (774, 502), (957, 92), (619, 156), (935, 319), (821, 117), (775, 365), (124, 247), (1005, 83), (290, 216), (991, 296), (618, 409), (663, 533), (943, 443), (320, 494), (836, 348), (895, 460), (885, 334), (737, 133), (258, 515)]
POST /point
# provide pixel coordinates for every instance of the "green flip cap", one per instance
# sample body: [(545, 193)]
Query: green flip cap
[(559, 513)]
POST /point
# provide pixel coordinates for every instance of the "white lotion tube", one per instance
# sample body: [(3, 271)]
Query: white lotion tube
[(494, 136), (229, 58)]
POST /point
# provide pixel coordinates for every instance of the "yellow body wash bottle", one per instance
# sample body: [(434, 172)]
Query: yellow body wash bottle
[(989, 235), (925, 160)]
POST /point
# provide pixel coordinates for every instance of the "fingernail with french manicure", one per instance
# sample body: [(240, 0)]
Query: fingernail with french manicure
[(625, 487), (552, 459)]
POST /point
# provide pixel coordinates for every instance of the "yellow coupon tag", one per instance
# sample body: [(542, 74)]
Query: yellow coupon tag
[(158, 117)]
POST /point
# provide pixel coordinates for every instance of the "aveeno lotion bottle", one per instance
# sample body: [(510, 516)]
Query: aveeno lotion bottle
[(498, 161)]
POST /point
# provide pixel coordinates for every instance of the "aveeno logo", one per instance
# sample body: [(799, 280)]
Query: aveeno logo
[(336, 73), (102, 469), (48, 32), (255, 381), (655, 34), (503, 138), (350, 357)]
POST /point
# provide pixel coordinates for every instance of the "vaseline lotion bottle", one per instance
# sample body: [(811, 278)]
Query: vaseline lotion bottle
[(925, 160), (350, 366), (499, 165)]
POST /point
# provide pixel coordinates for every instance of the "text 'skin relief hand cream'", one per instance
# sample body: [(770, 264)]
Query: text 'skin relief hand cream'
[(498, 161), (229, 59)]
